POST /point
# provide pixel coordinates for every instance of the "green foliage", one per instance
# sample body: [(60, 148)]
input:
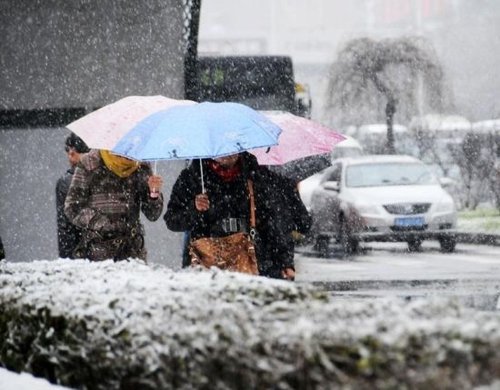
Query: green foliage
[(485, 220), (479, 213)]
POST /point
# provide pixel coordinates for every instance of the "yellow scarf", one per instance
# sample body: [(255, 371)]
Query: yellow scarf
[(120, 166)]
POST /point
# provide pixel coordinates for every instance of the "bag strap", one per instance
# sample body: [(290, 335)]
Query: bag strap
[(252, 208)]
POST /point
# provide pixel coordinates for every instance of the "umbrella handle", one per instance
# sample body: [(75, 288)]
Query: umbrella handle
[(202, 182), (154, 168)]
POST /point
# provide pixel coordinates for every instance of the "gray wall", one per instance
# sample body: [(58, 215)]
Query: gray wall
[(31, 161), (77, 53), (86, 53)]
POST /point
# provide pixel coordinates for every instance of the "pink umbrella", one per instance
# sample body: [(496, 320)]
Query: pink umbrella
[(300, 137), (103, 128)]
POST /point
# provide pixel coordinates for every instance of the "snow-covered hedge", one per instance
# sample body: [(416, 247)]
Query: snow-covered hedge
[(131, 326)]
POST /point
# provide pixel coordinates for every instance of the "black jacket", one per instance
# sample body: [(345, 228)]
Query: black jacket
[(275, 213), (68, 235), (2, 250)]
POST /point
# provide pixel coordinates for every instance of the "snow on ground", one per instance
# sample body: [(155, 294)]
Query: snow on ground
[(14, 381), (271, 326), (150, 302)]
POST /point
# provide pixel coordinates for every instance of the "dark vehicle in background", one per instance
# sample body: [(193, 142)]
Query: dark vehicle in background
[(261, 82), (381, 198)]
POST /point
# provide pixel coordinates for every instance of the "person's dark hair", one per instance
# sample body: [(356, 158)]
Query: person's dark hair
[(75, 142)]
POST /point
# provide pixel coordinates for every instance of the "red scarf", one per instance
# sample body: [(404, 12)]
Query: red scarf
[(226, 174)]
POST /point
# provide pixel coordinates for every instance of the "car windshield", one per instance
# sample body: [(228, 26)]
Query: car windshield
[(388, 174)]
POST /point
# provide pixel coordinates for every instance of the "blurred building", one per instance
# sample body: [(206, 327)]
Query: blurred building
[(465, 34)]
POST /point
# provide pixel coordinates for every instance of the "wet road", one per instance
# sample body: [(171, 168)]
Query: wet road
[(471, 274)]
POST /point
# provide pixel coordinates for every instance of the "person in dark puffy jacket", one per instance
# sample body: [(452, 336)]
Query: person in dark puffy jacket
[(224, 208), (68, 235), (289, 215), (105, 198), (2, 250)]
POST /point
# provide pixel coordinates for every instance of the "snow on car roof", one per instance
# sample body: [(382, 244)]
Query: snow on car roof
[(487, 125), (442, 122), (380, 158), (348, 142), (379, 128)]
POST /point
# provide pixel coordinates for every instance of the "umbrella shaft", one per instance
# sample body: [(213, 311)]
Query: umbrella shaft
[(202, 182)]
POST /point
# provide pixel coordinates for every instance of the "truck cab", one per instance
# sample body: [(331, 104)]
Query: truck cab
[(261, 82)]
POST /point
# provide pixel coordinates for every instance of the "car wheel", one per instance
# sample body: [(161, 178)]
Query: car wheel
[(414, 245), (447, 244), (321, 245), (347, 242)]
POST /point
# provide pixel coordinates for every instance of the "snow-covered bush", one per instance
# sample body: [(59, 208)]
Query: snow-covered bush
[(128, 325)]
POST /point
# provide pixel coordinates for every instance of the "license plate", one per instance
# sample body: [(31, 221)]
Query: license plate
[(409, 221)]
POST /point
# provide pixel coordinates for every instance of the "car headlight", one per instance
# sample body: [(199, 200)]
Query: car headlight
[(445, 207), (366, 208)]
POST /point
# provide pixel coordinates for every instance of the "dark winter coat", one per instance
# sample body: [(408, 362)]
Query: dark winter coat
[(68, 235), (274, 215), (2, 250), (107, 208), (293, 214)]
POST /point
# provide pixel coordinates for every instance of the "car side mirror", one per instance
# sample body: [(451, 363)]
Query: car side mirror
[(331, 186), (446, 182)]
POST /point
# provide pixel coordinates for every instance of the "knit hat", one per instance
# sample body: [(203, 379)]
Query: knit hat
[(75, 142)]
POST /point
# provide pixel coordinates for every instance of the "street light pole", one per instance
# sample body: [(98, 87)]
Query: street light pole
[(417, 5)]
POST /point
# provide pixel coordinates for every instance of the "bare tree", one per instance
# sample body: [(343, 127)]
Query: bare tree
[(492, 166), (466, 158), (426, 141), (369, 72), (476, 158)]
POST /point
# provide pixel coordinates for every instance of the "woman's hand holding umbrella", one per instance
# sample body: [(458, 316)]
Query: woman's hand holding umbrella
[(288, 273), (155, 184), (201, 202)]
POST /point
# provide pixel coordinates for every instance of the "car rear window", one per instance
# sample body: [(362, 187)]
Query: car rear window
[(388, 174)]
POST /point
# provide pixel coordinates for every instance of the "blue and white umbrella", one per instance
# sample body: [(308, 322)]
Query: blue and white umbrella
[(204, 130), (152, 128)]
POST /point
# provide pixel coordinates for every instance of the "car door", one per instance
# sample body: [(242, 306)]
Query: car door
[(325, 204)]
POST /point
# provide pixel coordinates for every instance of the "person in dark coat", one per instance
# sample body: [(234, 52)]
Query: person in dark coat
[(2, 250), (289, 215), (68, 235), (224, 208)]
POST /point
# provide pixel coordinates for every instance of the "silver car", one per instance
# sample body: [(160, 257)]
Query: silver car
[(381, 198)]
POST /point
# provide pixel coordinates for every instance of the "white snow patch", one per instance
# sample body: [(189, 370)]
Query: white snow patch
[(14, 381), (156, 305)]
